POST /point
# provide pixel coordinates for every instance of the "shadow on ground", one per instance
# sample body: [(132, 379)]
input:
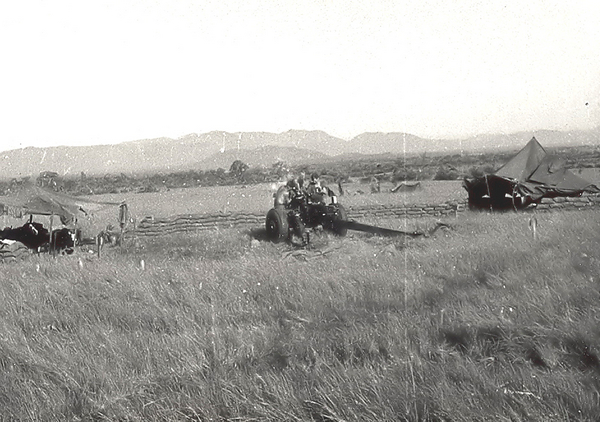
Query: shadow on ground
[(258, 233)]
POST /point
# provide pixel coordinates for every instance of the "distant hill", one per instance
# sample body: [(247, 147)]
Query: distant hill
[(219, 149), (302, 139), (192, 151), (393, 143), (264, 156), (547, 138), (398, 143)]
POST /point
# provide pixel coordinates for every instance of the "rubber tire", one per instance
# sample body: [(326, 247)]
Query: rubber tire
[(339, 228), (278, 228)]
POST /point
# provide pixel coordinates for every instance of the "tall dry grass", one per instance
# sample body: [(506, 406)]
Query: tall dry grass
[(480, 322)]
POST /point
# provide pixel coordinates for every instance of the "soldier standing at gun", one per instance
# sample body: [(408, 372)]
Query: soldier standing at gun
[(315, 191)]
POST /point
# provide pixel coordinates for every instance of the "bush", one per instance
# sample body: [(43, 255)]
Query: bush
[(403, 174), (447, 173), (481, 171)]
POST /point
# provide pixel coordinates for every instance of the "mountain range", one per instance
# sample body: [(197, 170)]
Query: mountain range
[(219, 149)]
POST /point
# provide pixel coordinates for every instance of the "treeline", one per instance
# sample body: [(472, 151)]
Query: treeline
[(239, 173), (384, 168)]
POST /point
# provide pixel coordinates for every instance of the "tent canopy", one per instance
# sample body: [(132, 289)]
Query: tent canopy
[(35, 200), (529, 176), (522, 165)]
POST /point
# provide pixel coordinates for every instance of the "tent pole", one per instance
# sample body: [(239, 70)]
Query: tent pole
[(123, 217), (52, 235), (121, 240), (489, 194), (99, 243)]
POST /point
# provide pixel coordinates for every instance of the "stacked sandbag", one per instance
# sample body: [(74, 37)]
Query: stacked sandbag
[(12, 250)]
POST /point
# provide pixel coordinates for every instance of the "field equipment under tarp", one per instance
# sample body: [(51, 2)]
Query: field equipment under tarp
[(34, 200), (528, 177), (31, 234)]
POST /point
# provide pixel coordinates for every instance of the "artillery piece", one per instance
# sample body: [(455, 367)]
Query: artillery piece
[(295, 211)]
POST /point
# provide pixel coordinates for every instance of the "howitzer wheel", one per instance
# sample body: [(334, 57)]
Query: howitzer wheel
[(339, 224), (277, 225)]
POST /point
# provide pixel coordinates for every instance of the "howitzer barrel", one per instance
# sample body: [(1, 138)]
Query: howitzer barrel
[(353, 225)]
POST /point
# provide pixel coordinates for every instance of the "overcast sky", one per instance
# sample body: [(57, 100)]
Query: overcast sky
[(98, 72)]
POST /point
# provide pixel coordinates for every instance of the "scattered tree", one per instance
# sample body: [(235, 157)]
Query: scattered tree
[(238, 170)]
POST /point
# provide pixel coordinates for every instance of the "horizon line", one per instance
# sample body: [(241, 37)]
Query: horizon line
[(466, 137)]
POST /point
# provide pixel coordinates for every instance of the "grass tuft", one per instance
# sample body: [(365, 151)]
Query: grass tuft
[(477, 323)]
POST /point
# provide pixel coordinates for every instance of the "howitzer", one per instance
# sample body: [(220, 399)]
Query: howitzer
[(294, 212)]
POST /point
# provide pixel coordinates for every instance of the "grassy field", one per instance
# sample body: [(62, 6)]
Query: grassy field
[(479, 322), (259, 198)]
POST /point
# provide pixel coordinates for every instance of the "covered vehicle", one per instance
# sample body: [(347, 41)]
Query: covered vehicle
[(34, 200), (528, 177)]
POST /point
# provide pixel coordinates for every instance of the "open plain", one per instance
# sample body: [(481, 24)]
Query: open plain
[(259, 198), (477, 322), (147, 276)]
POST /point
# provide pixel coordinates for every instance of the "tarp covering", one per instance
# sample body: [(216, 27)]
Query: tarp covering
[(526, 178), (35, 200), (522, 165), (404, 186)]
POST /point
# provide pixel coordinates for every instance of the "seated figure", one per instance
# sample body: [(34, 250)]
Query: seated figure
[(315, 192)]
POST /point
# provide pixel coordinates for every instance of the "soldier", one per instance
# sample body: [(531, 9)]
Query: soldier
[(375, 185), (315, 191), (340, 186)]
